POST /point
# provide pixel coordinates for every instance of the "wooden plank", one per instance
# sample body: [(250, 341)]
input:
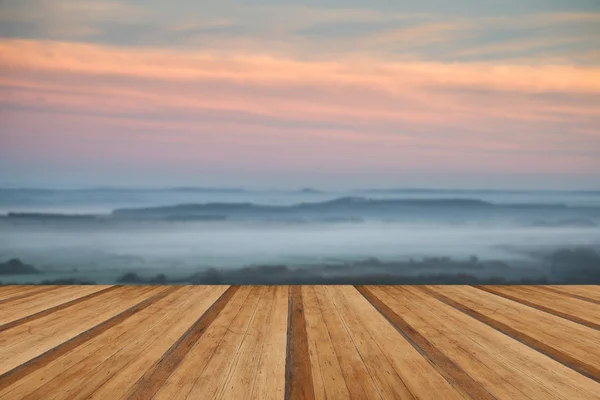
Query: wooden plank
[(20, 292), (398, 370), (107, 378), (16, 334), (575, 310), (298, 376), (328, 377), (21, 369), (211, 352), (46, 299), (371, 369), (409, 311), (152, 380), (61, 375), (7, 291), (388, 342), (586, 293), (573, 345), (211, 383), (40, 329), (36, 308), (93, 351), (358, 380), (240, 379), (505, 367), (255, 369), (453, 373), (133, 372), (27, 341), (589, 291), (270, 380)]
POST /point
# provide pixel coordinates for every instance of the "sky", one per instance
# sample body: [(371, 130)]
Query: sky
[(289, 93)]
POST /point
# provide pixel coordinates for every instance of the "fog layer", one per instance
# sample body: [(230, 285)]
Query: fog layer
[(308, 236)]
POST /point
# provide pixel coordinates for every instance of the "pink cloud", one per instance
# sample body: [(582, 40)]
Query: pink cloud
[(154, 105)]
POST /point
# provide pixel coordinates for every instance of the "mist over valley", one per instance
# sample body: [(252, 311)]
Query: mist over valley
[(204, 235)]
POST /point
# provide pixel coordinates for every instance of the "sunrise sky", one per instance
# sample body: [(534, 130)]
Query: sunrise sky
[(293, 93)]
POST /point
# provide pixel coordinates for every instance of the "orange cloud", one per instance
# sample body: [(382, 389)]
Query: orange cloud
[(189, 65)]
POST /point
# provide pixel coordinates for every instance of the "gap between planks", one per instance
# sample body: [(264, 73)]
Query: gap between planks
[(298, 375)]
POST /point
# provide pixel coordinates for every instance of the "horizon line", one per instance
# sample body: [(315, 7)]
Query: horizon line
[(305, 189)]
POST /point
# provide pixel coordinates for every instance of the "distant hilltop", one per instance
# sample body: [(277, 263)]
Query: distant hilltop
[(16, 267), (50, 216), (342, 204), (476, 191), (310, 191), (352, 209), (349, 209)]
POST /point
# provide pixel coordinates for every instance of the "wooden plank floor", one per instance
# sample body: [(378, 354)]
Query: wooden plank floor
[(300, 342)]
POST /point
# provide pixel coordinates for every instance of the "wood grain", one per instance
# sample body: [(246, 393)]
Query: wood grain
[(10, 296), (269, 380), (573, 292), (453, 373), (587, 291), (154, 378), (24, 368), (563, 306), (299, 342), (546, 336), (381, 347), (73, 365), (505, 367), (182, 380), (30, 312), (326, 371), (121, 369), (212, 382)]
